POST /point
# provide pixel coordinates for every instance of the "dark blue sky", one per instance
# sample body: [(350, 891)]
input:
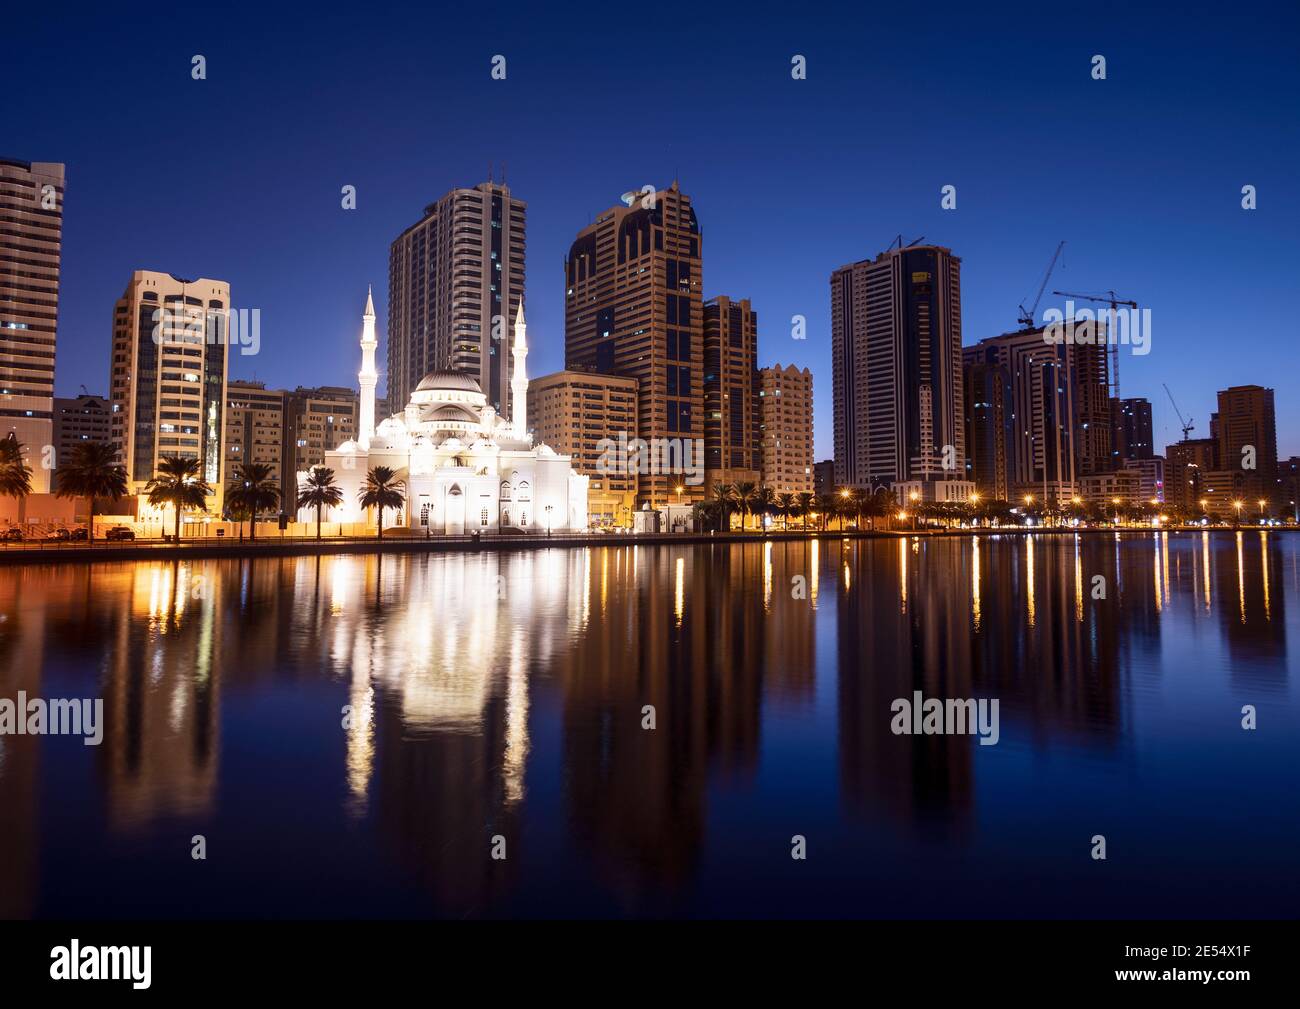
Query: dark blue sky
[(238, 177)]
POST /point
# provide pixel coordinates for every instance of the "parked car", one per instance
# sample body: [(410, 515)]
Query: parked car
[(120, 533), (61, 533), (79, 533), (12, 535)]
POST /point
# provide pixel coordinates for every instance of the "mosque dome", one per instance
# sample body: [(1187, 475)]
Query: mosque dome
[(454, 412), (445, 380)]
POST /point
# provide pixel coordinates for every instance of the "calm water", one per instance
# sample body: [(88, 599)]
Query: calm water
[(502, 694)]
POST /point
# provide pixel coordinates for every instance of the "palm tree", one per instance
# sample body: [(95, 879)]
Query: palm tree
[(724, 495), (766, 500), (177, 483), (826, 505), (92, 473), (320, 492), (785, 504), (15, 474), (806, 500), (238, 511), (882, 504), (253, 491), (381, 491), (746, 492)]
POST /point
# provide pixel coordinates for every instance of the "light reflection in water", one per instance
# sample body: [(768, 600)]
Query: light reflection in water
[(1241, 578), (487, 692), (1205, 566), (1078, 579), (1029, 579)]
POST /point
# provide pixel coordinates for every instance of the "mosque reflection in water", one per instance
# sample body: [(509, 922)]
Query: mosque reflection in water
[(413, 707)]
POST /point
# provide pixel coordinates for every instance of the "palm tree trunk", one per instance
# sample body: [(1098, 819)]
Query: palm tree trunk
[(252, 527), (318, 510), (91, 534), (381, 522), (178, 523)]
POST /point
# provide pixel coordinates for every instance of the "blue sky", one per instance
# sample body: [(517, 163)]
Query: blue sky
[(238, 177)]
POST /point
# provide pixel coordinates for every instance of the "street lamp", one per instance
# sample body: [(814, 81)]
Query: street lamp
[(1262, 502), (1237, 505), (548, 519), (1115, 502), (679, 490)]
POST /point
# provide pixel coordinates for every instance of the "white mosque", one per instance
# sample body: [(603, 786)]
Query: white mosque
[(462, 467)]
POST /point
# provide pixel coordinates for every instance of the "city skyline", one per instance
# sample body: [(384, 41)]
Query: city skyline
[(1007, 221)]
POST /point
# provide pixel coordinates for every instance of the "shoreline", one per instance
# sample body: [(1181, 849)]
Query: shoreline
[(60, 553)]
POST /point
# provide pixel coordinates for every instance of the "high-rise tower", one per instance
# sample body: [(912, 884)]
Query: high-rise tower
[(897, 368), (634, 306), (455, 280), (31, 202), (167, 375)]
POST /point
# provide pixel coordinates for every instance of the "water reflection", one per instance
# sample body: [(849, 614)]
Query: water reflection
[(455, 697)]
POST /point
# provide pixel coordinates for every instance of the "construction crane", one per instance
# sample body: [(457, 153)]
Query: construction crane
[(1026, 317), (1187, 424), (1111, 299)]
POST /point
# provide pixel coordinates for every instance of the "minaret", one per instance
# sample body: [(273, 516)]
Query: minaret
[(367, 377), (519, 380)]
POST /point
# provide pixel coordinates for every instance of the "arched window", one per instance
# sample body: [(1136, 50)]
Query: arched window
[(525, 492), (505, 490)]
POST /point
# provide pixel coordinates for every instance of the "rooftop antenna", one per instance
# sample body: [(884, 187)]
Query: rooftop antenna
[(489, 173)]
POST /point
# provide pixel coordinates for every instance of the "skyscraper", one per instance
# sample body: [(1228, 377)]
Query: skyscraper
[(1130, 430), (1245, 427), (990, 434), (896, 355), (786, 412), (1046, 379), (455, 282), (1187, 468), (733, 439), (633, 306), (31, 202), (167, 375)]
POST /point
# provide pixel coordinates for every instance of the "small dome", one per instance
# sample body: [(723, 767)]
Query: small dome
[(454, 412), (447, 380)]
